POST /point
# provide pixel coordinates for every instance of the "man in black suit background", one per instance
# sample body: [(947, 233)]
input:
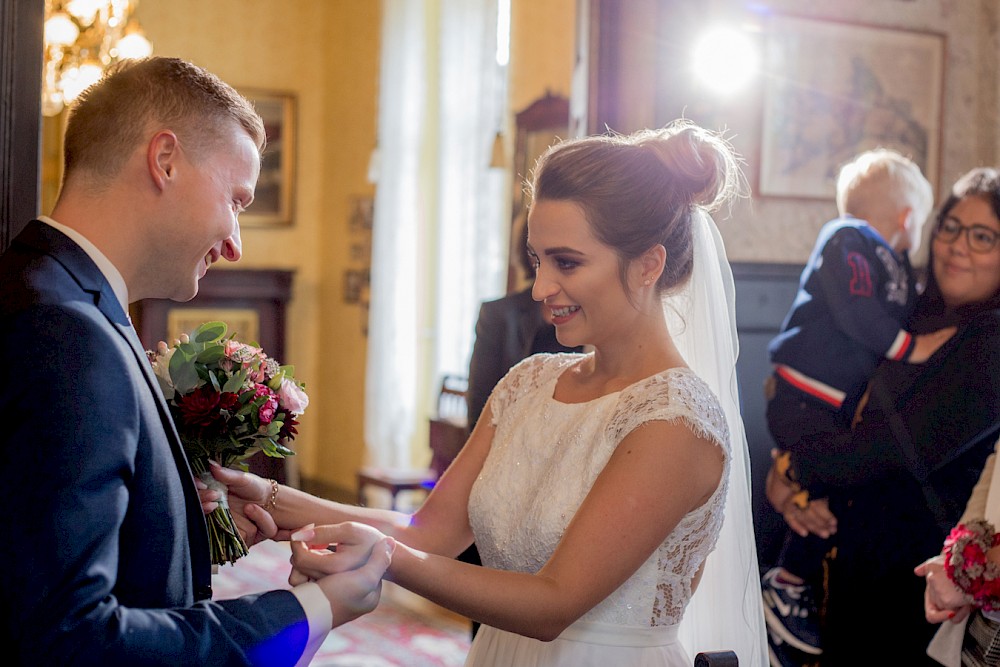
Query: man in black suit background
[(107, 550)]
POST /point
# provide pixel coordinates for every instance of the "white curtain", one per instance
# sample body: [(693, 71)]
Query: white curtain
[(441, 225)]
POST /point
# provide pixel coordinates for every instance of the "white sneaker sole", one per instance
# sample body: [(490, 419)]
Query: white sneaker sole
[(775, 624)]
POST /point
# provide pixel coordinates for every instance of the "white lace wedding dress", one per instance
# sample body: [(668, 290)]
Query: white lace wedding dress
[(544, 459)]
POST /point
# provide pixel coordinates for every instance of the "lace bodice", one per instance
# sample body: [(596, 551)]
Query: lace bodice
[(545, 457)]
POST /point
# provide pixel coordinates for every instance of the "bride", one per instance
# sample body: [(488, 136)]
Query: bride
[(607, 492)]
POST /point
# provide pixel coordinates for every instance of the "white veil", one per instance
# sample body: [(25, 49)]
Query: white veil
[(726, 612)]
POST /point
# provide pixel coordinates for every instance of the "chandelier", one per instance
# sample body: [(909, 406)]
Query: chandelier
[(82, 38)]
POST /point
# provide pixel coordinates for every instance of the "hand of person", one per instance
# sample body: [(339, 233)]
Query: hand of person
[(924, 345), (350, 576), (247, 494), (815, 518), (943, 600), (318, 551)]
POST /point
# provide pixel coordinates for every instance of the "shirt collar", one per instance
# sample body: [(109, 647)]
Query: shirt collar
[(111, 274)]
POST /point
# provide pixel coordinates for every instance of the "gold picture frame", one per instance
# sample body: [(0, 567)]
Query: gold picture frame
[(244, 323), (274, 197)]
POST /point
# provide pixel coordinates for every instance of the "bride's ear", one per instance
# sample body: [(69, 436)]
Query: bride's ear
[(651, 264)]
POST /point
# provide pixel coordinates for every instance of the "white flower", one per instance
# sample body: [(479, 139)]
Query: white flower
[(292, 397), (160, 362)]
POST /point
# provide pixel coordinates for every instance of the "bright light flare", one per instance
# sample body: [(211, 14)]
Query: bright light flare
[(725, 59)]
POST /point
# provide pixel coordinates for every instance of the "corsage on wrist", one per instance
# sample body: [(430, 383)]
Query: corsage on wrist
[(967, 566)]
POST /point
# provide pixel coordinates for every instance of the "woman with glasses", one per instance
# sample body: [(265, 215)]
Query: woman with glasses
[(898, 481)]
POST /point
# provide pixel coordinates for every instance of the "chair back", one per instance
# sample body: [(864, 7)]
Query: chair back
[(451, 405), (449, 428)]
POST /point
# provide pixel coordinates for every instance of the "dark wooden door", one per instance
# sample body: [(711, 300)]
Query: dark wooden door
[(21, 27)]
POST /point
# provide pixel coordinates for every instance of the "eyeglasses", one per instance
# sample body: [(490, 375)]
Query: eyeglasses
[(981, 239)]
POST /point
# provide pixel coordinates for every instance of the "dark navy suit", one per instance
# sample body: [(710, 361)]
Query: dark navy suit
[(105, 549)]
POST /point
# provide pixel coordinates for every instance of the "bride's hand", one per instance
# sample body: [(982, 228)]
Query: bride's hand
[(247, 494), (318, 551)]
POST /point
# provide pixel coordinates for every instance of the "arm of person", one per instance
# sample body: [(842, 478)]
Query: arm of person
[(802, 514), (950, 403), (847, 279), (440, 525), (657, 474), (944, 600)]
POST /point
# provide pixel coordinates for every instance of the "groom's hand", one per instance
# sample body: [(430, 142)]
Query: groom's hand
[(356, 592), (323, 550), (247, 493)]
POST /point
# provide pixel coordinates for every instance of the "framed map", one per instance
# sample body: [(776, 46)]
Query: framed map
[(832, 90)]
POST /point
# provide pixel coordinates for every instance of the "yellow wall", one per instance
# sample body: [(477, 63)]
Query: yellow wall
[(327, 54)]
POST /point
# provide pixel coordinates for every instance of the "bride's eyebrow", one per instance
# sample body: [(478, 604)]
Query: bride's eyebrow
[(562, 250)]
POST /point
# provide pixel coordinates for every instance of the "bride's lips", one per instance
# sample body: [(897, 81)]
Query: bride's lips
[(563, 314)]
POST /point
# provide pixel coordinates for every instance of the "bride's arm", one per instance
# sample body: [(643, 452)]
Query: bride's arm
[(658, 473), (440, 525)]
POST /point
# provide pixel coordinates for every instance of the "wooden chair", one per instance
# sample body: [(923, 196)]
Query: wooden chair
[(395, 481), (449, 428), (447, 435)]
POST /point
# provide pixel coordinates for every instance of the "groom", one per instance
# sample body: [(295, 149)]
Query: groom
[(106, 551)]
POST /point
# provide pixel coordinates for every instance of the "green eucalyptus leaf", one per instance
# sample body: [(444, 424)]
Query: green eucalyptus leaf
[(183, 373), (209, 332), (234, 383), (211, 355)]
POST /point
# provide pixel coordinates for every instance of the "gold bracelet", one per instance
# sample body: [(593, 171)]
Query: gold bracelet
[(272, 502)]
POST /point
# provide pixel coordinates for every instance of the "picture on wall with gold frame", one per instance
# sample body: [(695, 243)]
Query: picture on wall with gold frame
[(275, 193)]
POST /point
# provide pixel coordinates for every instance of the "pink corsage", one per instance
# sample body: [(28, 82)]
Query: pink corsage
[(966, 564)]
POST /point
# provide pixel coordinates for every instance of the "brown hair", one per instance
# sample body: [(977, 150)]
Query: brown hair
[(640, 190), (112, 117)]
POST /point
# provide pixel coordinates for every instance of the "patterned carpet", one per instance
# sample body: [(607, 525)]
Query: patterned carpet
[(403, 631)]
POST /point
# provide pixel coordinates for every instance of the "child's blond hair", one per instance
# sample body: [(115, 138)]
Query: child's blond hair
[(878, 184)]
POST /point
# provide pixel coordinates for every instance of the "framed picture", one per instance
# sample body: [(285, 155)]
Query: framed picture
[(244, 323), (833, 90), (275, 193)]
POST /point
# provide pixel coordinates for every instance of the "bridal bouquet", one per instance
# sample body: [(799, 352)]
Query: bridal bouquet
[(229, 401)]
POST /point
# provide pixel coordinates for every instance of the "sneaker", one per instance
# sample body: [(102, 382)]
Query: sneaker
[(780, 654), (791, 612)]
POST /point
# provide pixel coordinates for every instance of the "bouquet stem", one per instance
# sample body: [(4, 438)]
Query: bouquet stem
[(225, 542)]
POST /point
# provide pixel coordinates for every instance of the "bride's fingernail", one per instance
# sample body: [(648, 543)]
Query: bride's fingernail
[(303, 534)]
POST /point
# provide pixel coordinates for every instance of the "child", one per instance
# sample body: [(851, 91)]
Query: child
[(855, 294)]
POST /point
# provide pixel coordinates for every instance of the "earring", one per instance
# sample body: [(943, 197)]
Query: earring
[(647, 281)]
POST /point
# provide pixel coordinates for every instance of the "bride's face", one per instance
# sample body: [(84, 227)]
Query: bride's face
[(577, 276)]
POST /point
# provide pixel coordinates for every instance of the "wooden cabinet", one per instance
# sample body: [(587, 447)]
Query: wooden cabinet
[(253, 302)]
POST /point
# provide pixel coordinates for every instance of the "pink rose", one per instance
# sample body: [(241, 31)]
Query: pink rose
[(292, 397), (269, 407)]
